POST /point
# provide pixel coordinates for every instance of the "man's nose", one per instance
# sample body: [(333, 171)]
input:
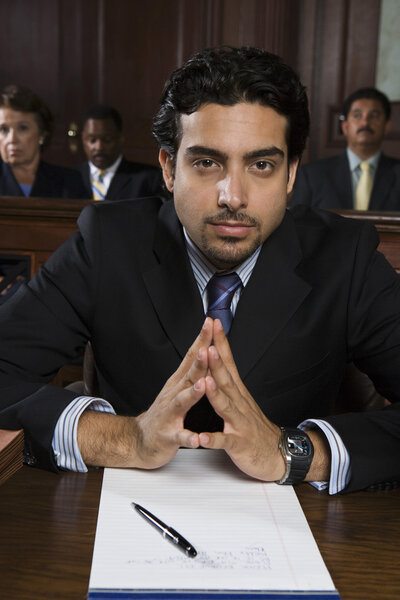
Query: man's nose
[(231, 192), (98, 145), (365, 120)]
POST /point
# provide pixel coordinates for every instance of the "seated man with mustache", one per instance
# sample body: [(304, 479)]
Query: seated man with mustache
[(334, 182)]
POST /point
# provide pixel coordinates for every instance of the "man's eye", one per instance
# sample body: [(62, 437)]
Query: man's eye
[(262, 165), (205, 163), (3, 129)]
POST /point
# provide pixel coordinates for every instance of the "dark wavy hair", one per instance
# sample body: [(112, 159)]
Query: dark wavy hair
[(228, 76), (367, 92), (22, 99)]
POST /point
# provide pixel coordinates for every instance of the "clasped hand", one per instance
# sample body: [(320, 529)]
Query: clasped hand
[(248, 437)]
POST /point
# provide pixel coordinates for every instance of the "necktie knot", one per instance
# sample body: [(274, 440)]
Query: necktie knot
[(364, 166), (221, 289)]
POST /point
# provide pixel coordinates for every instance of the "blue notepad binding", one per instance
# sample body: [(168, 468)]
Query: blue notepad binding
[(98, 594)]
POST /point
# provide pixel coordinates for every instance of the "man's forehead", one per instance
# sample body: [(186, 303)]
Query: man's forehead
[(216, 125), (366, 104), (100, 126)]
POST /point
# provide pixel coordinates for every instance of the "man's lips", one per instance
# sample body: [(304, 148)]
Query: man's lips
[(232, 229)]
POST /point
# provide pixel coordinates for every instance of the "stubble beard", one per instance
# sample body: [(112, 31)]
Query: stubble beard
[(228, 253)]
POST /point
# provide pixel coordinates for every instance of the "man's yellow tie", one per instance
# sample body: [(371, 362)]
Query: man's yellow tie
[(98, 187), (364, 187)]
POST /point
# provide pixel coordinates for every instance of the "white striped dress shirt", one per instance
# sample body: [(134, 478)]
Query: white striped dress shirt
[(65, 435)]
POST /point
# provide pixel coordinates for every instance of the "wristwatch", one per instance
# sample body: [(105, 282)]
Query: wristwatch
[(298, 451)]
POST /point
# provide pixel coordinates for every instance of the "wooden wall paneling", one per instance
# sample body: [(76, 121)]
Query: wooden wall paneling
[(76, 53), (28, 43), (140, 47), (338, 42), (327, 52), (79, 51)]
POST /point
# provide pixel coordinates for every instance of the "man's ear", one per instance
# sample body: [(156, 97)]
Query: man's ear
[(166, 162), (292, 174)]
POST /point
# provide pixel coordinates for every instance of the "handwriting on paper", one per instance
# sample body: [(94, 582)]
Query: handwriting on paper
[(251, 557)]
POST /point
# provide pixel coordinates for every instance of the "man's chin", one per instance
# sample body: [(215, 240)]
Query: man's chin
[(101, 163), (230, 254)]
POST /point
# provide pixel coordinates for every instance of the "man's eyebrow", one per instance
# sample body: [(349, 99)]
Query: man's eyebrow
[(205, 151), (270, 151), (213, 153)]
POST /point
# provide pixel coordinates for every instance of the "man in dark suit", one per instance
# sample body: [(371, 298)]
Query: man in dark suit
[(306, 289), (362, 178), (107, 175)]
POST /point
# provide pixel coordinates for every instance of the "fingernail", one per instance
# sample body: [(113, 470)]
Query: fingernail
[(197, 385)]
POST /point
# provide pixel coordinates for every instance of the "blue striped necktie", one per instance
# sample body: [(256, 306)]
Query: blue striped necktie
[(98, 187), (221, 289)]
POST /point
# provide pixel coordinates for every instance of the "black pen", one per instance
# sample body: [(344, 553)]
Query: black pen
[(170, 534)]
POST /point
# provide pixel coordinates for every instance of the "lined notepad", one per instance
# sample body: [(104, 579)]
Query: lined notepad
[(250, 536)]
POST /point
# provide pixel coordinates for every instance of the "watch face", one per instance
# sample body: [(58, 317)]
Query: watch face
[(298, 444)]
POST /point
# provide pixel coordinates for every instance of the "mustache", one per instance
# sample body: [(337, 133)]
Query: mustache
[(366, 128), (226, 215)]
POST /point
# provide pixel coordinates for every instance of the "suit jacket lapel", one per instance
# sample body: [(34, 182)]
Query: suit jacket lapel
[(272, 295), (121, 178), (9, 184), (171, 284), (340, 179), (84, 170), (383, 182)]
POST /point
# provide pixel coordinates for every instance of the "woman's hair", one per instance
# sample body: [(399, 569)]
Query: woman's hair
[(22, 99)]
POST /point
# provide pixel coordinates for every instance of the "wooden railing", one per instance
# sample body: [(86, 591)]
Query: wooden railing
[(35, 227), (388, 226)]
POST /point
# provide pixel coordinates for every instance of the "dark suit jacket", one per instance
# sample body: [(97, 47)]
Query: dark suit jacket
[(51, 181), (327, 184), (131, 180), (319, 295)]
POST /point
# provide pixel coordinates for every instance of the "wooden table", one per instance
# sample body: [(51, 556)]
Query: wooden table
[(48, 523)]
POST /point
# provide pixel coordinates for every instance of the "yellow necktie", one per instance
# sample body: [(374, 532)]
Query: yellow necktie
[(98, 187), (364, 187)]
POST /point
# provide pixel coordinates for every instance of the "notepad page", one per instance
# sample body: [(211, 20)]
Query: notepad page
[(249, 535)]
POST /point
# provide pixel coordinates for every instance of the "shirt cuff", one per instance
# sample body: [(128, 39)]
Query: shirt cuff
[(340, 459), (65, 444)]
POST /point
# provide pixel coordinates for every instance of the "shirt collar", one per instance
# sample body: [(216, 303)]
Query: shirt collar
[(355, 160)]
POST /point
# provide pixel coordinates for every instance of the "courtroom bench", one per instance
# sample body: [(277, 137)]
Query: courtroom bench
[(388, 227), (32, 229)]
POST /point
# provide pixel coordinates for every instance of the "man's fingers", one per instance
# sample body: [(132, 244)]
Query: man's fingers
[(216, 441), (203, 340), (187, 439), (222, 345)]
